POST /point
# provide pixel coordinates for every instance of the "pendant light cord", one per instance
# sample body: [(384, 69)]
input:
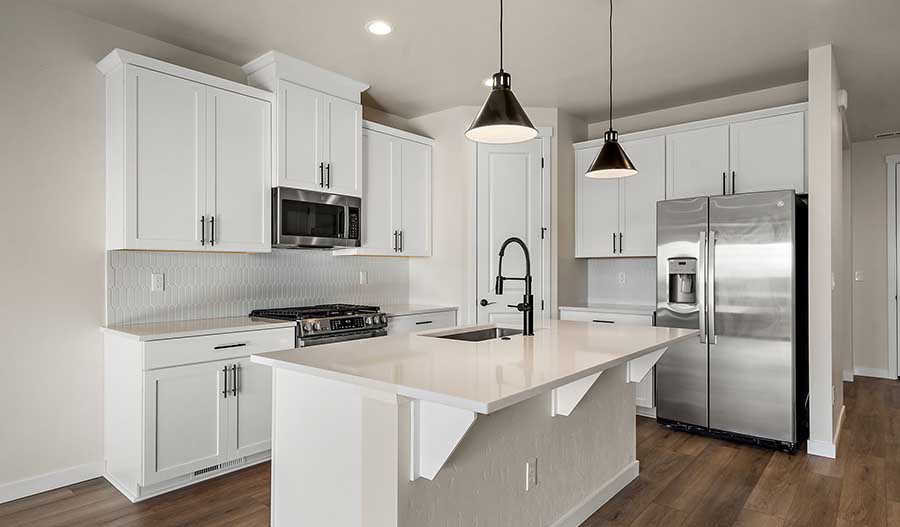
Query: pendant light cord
[(610, 65), (501, 35)]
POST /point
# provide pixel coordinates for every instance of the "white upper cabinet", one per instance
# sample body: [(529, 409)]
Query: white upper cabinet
[(639, 194), (597, 222), (769, 154), (319, 124), (188, 159), (396, 193), (697, 162)]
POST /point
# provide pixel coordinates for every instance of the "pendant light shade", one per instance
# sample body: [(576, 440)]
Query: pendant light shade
[(612, 161), (502, 120)]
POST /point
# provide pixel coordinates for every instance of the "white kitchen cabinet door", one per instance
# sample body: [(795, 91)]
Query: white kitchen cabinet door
[(639, 194), (697, 163), (185, 411), (769, 154), (343, 145), (405, 324), (250, 410), (597, 205), (165, 189), (415, 238), (301, 137), (381, 185), (239, 172)]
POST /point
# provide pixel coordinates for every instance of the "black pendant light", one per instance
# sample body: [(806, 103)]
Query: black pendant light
[(502, 119), (612, 161)]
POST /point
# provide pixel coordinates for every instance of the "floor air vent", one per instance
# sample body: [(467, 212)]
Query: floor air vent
[(207, 470)]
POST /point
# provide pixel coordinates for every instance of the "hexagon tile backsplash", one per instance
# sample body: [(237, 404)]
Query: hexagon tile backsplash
[(210, 285)]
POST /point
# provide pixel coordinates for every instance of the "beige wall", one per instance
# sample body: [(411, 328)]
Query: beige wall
[(53, 232), (870, 296), (572, 283), (744, 102)]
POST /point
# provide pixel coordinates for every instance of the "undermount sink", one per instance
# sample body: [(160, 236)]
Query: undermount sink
[(478, 335)]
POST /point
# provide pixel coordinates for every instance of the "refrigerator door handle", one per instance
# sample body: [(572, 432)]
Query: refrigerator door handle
[(711, 286), (701, 288)]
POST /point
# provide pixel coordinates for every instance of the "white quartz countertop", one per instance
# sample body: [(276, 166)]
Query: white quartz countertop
[(479, 376), (624, 309), (399, 310), (195, 328)]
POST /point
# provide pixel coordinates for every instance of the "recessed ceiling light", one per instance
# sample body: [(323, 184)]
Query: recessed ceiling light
[(379, 27), (489, 82)]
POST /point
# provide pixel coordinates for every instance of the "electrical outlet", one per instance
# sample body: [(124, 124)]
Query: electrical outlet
[(859, 277), (622, 279), (531, 479), (157, 282), (363, 278)]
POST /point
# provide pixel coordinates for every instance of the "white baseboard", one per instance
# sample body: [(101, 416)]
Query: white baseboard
[(590, 505), (827, 448), (874, 372), (848, 376), (54, 480)]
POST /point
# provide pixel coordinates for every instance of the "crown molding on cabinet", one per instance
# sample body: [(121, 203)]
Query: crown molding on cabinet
[(300, 72), (402, 134)]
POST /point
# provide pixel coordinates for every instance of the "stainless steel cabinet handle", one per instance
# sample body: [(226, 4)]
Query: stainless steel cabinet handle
[(328, 175), (234, 372), (212, 228), (711, 302), (225, 376), (227, 346), (321, 174), (203, 230), (701, 291)]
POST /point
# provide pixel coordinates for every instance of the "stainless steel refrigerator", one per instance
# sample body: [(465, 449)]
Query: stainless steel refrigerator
[(734, 267)]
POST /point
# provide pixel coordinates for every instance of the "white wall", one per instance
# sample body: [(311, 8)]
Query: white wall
[(825, 167), (571, 274), (870, 246), (53, 233)]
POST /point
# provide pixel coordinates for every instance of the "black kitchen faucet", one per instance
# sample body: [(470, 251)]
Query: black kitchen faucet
[(527, 304)]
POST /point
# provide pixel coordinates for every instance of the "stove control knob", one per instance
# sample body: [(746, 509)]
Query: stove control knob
[(307, 328), (317, 326), (383, 319), (368, 321)]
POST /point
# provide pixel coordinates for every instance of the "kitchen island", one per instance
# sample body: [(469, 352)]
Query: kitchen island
[(427, 429)]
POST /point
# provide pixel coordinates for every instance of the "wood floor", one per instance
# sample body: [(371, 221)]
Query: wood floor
[(685, 481)]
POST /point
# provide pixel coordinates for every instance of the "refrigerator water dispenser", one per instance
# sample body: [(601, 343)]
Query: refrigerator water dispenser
[(682, 280)]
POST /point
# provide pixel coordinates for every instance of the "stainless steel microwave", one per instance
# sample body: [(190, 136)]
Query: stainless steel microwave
[(307, 219)]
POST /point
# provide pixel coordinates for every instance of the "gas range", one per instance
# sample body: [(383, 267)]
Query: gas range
[(327, 323)]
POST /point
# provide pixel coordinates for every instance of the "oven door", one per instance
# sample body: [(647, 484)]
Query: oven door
[(303, 218)]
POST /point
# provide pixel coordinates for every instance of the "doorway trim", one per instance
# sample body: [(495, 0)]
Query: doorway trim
[(892, 171), (545, 134)]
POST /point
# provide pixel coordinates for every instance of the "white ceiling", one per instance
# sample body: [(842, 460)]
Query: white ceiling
[(668, 52)]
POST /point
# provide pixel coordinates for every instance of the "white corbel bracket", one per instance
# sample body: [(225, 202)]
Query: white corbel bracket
[(639, 368), (565, 398), (435, 432)]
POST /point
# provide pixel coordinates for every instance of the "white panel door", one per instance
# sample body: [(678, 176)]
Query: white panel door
[(415, 239), (639, 194), (301, 137), (240, 173), (769, 154), (186, 420), (165, 174), (509, 204), (250, 410), (697, 163), (343, 158), (597, 208), (381, 192)]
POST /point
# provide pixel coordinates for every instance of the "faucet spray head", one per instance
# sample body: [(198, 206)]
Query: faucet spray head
[(498, 285)]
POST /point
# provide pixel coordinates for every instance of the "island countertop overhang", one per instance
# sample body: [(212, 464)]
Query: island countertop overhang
[(482, 377)]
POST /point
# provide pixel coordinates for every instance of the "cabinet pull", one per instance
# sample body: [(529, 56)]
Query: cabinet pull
[(732, 181), (603, 321), (226, 346), (234, 376), (212, 228), (203, 230), (401, 241), (225, 375), (614, 243), (321, 174), (395, 241), (723, 183), (328, 175), (422, 323), (620, 243)]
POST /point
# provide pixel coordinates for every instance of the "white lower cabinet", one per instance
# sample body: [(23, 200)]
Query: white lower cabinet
[(644, 392), (403, 324), (189, 418)]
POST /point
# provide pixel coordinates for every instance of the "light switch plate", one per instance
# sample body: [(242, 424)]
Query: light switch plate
[(157, 282), (622, 278)]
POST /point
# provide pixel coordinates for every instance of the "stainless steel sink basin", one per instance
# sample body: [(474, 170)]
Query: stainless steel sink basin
[(477, 335)]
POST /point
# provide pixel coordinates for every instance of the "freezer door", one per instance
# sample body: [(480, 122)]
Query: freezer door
[(682, 372), (752, 314)]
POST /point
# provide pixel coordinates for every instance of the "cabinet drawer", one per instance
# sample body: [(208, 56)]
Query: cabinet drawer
[(605, 318), (192, 350), (414, 323)]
